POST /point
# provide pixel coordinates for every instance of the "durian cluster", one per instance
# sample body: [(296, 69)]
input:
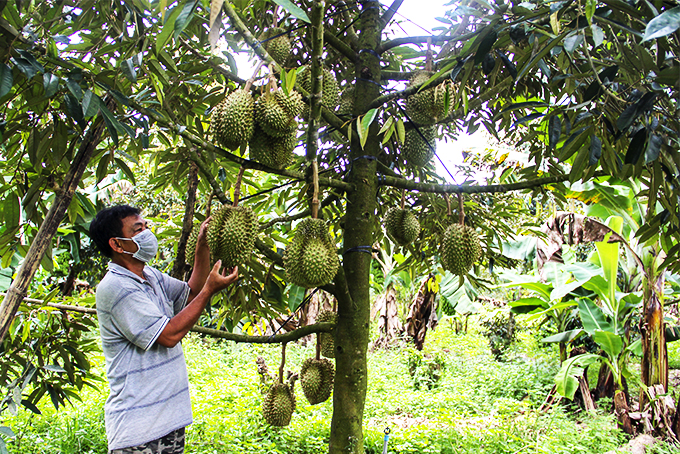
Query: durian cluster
[(330, 91), (311, 259), (460, 249), (401, 225), (231, 235)]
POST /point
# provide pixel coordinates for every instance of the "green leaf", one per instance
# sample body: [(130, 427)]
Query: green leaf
[(595, 150), (401, 131), (592, 317), (565, 336), (653, 148), (524, 105), (185, 17), (50, 84), (526, 305), (611, 343), (128, 68), (590, 10), (6, 79), (554, 131), (566, 382), (295, 296), (485, 46), (6, 431), (168, 28), (125, 169), (663, 25), (635, 348), (293, 9), (91, 103), (11, 211), (636, 147), (543, 52)]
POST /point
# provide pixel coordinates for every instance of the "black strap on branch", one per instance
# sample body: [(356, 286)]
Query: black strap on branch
[(366, 156), (367, 249), (304, 302), (371, 81), (371, 51)]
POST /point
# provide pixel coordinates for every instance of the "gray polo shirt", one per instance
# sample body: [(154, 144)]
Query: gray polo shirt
[(149, 386)]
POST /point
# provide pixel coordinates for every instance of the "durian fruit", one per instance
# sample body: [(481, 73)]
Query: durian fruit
[(316, 379), (460, 249), (190, 249), (274, 152), (346, 104), (231, 234), (232, 119), (401, 225), (326, 339), (429, 106), (278, 405), (275, 112), (416, 151), (311, 259), (276, 46), (330, 90)]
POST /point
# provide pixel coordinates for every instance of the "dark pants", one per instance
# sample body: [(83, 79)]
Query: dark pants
[(172, 443)]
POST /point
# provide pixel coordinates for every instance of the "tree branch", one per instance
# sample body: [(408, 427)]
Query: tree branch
[(389, 14), (327, 201), (257, 47), (380, 100), (395, 75), (387, 45), (278, 339), (488, 189), (339, 45)]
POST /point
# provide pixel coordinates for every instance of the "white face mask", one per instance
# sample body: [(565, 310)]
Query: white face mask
[(147, 245)]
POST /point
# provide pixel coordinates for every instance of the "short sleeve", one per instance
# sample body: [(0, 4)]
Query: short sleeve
[(176, 290), (138, 318)]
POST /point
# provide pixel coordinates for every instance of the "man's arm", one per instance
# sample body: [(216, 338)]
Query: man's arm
[(180, 324), (201, 263)]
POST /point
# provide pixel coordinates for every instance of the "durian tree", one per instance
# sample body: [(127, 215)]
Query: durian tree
[(89, 88)]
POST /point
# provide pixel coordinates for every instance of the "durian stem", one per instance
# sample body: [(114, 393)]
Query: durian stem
[(403, 199), (237, 186), (461, 212), (318, 346), (283, 361), (448, 204), (315, 195), (209, 207), (276, 16), (250, 81)]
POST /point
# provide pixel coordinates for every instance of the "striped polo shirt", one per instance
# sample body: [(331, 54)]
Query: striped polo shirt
[(149, 386)]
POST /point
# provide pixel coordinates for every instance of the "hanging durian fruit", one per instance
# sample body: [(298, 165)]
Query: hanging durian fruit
[(460, 249), (275, 112), (330, 90), (274, 152), (316, 379), (275, 41), (346, 104), (232, 120), (419, 149), (190, 248), (231, 235), (279, 404), (311, 259), (431, 105), (326, 342), (401, 225)]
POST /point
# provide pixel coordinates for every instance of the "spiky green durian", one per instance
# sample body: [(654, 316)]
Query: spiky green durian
[(316, 379), (275, 152), (232, 120), (401, 225), (419, 149), (330, 90), (460, 249), (231, 235), (278, 405), (430, 105), (190, 249), (275, 112), (327, 344), (346, 104), (275, 41), (311, 259)]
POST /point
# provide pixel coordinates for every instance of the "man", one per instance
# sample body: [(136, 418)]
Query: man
[(143, 315)]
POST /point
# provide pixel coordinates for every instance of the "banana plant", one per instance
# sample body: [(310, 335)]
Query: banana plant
[(554, 301)]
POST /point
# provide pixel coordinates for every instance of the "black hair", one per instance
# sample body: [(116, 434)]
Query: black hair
[(109, 224)]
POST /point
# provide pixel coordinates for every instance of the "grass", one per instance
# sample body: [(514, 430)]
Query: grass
[(478, 405)]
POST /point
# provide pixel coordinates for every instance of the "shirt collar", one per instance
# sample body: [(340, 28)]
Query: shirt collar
[(115, 268)]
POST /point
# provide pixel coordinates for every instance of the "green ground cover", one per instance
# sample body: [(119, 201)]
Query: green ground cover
[(478, 405)]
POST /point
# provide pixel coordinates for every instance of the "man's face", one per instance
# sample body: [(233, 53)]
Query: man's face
[(132, 225)]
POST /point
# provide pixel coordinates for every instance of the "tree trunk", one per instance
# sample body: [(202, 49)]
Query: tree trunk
[(179, 267), (354, 306), (654, 365), (621, 409), (19, 287)]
